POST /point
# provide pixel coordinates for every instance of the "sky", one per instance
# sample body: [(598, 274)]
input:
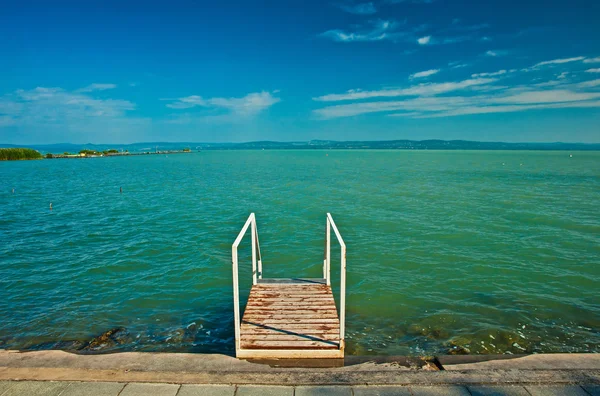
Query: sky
[(235, 71)]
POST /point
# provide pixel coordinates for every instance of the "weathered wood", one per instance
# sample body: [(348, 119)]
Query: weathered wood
[(292, 281), (255, 344), (288, 331), (293, 337), (334, 327), (291, 320)]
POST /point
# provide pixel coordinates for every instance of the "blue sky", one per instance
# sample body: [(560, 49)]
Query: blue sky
[(222, 71)]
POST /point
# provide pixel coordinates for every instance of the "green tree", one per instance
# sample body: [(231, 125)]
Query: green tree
[(10, 154)]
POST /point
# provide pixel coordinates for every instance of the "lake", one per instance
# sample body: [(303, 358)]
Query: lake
[(448, 251)]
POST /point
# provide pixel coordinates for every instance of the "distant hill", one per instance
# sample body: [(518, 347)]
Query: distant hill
[(313, 145)]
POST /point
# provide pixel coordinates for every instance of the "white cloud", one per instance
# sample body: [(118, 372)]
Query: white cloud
[(493, 53), (248, 105), (97, 87), (360, 8), (547, 96), (424, 40), (592, 60), (479, 95), (592, 71), (56, 109), (379, 30), (493, 74), (559, 61), (426, 89), (457, 65), (589, 84), (425, 73)]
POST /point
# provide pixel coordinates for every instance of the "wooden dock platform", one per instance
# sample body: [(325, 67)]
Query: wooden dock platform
[(290, 318), (293, 318)]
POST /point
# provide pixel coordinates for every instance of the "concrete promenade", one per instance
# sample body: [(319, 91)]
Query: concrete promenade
[(133, 373)]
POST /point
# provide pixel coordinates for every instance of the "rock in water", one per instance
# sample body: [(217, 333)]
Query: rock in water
[(108, 339)]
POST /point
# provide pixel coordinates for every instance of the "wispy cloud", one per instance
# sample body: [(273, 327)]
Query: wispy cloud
[(395, 31), (360, 8), (97, 87), (376, 31), (592, 71), (409, 1), (53, 108), (495, 53), (559, 61), (424, 40), (426, 89), (425, 73), (589, 84), (457, 65), (493, 74), (248, 105), (592, 60), (481, 94)]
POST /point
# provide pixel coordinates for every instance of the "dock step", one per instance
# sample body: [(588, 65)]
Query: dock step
[(290, 318)]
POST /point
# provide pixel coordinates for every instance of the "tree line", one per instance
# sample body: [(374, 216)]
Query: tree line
[(13, 154)]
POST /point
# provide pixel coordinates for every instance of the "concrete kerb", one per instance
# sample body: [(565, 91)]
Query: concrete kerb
[(132, 367)]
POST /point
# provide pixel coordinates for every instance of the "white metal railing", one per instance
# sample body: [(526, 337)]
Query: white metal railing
[(257, 272), (327, 271), (255, 261)]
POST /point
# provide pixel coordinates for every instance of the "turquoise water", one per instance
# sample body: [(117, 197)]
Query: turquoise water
[(457, 251)]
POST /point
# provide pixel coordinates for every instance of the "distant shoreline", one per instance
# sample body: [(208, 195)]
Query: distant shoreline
[(163, 147)]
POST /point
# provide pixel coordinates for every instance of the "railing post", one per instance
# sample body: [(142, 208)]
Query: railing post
[(253, 234), (236, 297), (260, 272), (343, 297), (328, 252)]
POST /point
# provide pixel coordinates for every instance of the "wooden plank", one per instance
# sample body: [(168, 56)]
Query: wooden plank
[(293, 290), (294, 326), (292, 300), (290, 311), (290, 337), (289, 344), (290, 294), (288, 308), (263, 285), (290, 354), (294, 321), (302, 318), (283, 306), (293, 281), (299, 332), (291, 287)]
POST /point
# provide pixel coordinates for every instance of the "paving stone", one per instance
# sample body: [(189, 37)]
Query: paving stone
[(505, 390), (593, 390), (323, 390), (439, 390), (560, 390), (250, 390), (206, 390), (93, 389), (4, 385), (382, 390), (150, 389), (35, 388)]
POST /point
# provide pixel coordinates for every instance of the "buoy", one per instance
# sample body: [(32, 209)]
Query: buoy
[(570, 155), (50, 205)]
